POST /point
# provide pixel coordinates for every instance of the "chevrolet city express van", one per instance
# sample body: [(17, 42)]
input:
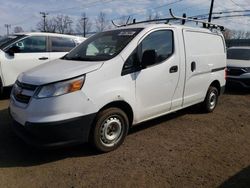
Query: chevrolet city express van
[(116, 79), (23, 51)]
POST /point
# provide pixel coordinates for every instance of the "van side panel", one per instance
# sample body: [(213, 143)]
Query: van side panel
[(205, 55)]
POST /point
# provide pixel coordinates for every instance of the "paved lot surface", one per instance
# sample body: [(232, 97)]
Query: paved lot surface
[(184, 149)]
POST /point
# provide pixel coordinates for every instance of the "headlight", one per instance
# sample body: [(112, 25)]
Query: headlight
[(60, 88)]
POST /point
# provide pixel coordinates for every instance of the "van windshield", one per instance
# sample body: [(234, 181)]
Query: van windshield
[(103, 46), (5, 41), (240, 54)]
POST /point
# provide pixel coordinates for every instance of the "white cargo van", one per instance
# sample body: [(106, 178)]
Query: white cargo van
[(22, 51), (116, 79)]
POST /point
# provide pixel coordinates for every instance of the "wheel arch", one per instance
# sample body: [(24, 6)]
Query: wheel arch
[(123, 105), (217, 85)]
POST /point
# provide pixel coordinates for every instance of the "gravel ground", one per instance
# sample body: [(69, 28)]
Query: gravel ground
[(183, 149)]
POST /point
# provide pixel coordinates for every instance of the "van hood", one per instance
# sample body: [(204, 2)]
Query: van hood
[(58, 70), (238, 63)]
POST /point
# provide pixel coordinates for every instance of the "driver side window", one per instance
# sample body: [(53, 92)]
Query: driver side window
[(159, 41)]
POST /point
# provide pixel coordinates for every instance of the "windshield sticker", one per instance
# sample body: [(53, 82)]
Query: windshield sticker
[(126, 33)]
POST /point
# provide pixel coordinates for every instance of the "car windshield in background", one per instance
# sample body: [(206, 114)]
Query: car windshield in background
[(4, 42), (103, 46), (240, 54)]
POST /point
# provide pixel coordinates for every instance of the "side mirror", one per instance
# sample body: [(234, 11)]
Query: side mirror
[(12, 50), (148, 58)]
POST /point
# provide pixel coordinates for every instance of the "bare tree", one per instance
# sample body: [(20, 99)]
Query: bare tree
[(239, 34), (124, 19), (18, 29), (60, 24), (40, 26), (51, 25), (228, 34), (101, 22), (83, 25), (247, 35), (152, 16), (64, 24)]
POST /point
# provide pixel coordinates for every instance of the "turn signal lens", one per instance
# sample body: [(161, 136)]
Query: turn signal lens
[(76, 85)]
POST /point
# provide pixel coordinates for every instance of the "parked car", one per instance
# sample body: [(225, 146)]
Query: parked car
[(238, 66), (20, 52), (116, 79)]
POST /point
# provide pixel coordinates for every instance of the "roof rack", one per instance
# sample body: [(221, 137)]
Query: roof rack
[(208, 25), (173, 17), (145, 21)]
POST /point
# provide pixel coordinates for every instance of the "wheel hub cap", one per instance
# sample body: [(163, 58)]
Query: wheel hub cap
[(212, 100), (111, 131)]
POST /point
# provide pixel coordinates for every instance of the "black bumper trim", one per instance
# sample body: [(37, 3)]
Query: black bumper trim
[(52, 134), (244, 82)]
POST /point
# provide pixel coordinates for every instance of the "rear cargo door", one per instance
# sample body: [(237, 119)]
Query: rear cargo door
[(201, 53)]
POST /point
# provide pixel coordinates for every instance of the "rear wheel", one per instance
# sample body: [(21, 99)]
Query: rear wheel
[(211, 99), (110, 129)]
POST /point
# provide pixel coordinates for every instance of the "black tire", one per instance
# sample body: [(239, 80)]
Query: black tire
[(211, 99), (110, 129)]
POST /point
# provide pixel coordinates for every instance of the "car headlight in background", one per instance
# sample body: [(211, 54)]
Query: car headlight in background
[(60, 88)]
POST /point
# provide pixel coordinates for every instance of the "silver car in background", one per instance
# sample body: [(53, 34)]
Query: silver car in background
[(238, 66)]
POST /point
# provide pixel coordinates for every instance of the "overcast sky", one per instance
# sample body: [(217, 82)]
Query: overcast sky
[(25, 13)]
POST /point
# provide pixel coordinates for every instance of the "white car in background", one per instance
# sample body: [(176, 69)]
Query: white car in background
[(238, 66), (20, 52)]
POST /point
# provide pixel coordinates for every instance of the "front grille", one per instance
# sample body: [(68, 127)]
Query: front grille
[(235, 71), (23, 92), (26, 86), (22, 98)]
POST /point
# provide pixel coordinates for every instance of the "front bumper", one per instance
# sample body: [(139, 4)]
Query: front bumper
[(54, 134), (53, 121)]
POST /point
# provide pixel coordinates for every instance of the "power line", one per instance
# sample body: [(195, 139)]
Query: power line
[(229, 16), (237, 4), (220, 12), (192, 6), (139, 12), (60, 10), (87, 5)]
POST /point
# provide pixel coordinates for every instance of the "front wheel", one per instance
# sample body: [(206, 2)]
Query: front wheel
[(110, 129), (211, 99)]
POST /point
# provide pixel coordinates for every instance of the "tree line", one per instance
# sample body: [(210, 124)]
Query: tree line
[(64, 24)]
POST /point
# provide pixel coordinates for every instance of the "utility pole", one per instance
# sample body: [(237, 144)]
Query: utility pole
[(211, 11), (84, 26), (8, 26), (44, 14)]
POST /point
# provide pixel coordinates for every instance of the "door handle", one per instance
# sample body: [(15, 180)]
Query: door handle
[(173, 69), (193, 66), (43, 58)]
